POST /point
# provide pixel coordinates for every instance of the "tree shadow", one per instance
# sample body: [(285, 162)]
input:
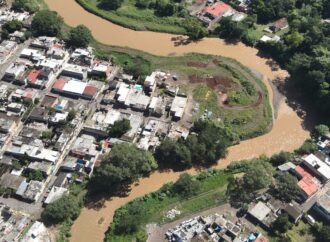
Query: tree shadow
[(296, 99)]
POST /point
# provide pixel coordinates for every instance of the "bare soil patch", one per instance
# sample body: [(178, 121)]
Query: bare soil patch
[(197, 64), (215, 82)]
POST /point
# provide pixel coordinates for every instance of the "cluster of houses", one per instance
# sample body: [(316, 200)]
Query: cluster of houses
[(212, 228), (25, 18), (57, 106), (12, 224), (313, 174), (153, 113)]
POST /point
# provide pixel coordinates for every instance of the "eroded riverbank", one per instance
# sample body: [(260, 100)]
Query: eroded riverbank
[(287, 132)]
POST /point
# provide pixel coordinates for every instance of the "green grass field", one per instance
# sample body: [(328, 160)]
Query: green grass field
[(129, 16)]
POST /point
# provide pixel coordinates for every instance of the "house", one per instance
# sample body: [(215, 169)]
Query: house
[(50, 100), (75, 89), (15, 73), (17, 36), (34, 153), (16, 108), (308, 184), (151, 81), (33, 191), (55, 194), (4, 93), (8, 123), (178, 106), (11, 181), (136, 99), (100, 121), (217, 10), (39, 114), (294, 212), (156, 107), (6, 49), (279, 25), (318, 167), (122, 93), (56, 52), (37, 233), (62, 141), (286, 167), (266, 38), (56, 118), (101, 69), (75, 71), (43, 42), (82, 56), (84, 146), (262, 214), (44, 167), (31, 54)]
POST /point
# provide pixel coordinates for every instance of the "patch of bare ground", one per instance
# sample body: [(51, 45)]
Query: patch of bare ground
[(215, 82)]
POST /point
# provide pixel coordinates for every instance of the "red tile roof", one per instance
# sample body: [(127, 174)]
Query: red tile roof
[(58, 46), (217, 9), (59, 84), (307, 183), (90, 90), (33, 75), (261, 239), (28, 94)]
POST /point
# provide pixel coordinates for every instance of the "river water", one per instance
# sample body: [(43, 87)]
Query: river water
[(287, 132)]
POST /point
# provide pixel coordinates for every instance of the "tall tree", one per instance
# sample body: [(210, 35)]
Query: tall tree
[(124, 164), (79, 36), (111, 4), (47, 23)]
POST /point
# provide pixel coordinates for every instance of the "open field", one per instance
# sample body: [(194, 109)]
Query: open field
[(129, 16)]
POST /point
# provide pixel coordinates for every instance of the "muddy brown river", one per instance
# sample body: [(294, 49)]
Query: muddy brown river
[(287, 132)]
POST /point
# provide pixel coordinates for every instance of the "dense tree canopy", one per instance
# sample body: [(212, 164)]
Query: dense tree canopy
[(231, 30), (324, 233), (79, 37), (267, 10), (67, 207), (194, 28), (47, 23), (320, 130), (124, 164), (128, 219), (31, 6), (12, 26), (281, 158), (186, 185), (119, 128), (258, 175), (207, 144), (111, 4), (281, 224), (286, 188)]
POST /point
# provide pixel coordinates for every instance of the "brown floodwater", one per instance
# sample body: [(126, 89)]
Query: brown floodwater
[(287, 132)]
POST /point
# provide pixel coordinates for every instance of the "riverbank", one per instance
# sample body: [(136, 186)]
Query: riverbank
[(129, 16), (287, 134)]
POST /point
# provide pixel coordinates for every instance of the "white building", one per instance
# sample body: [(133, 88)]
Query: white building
[(178, 107), (317, 166)]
